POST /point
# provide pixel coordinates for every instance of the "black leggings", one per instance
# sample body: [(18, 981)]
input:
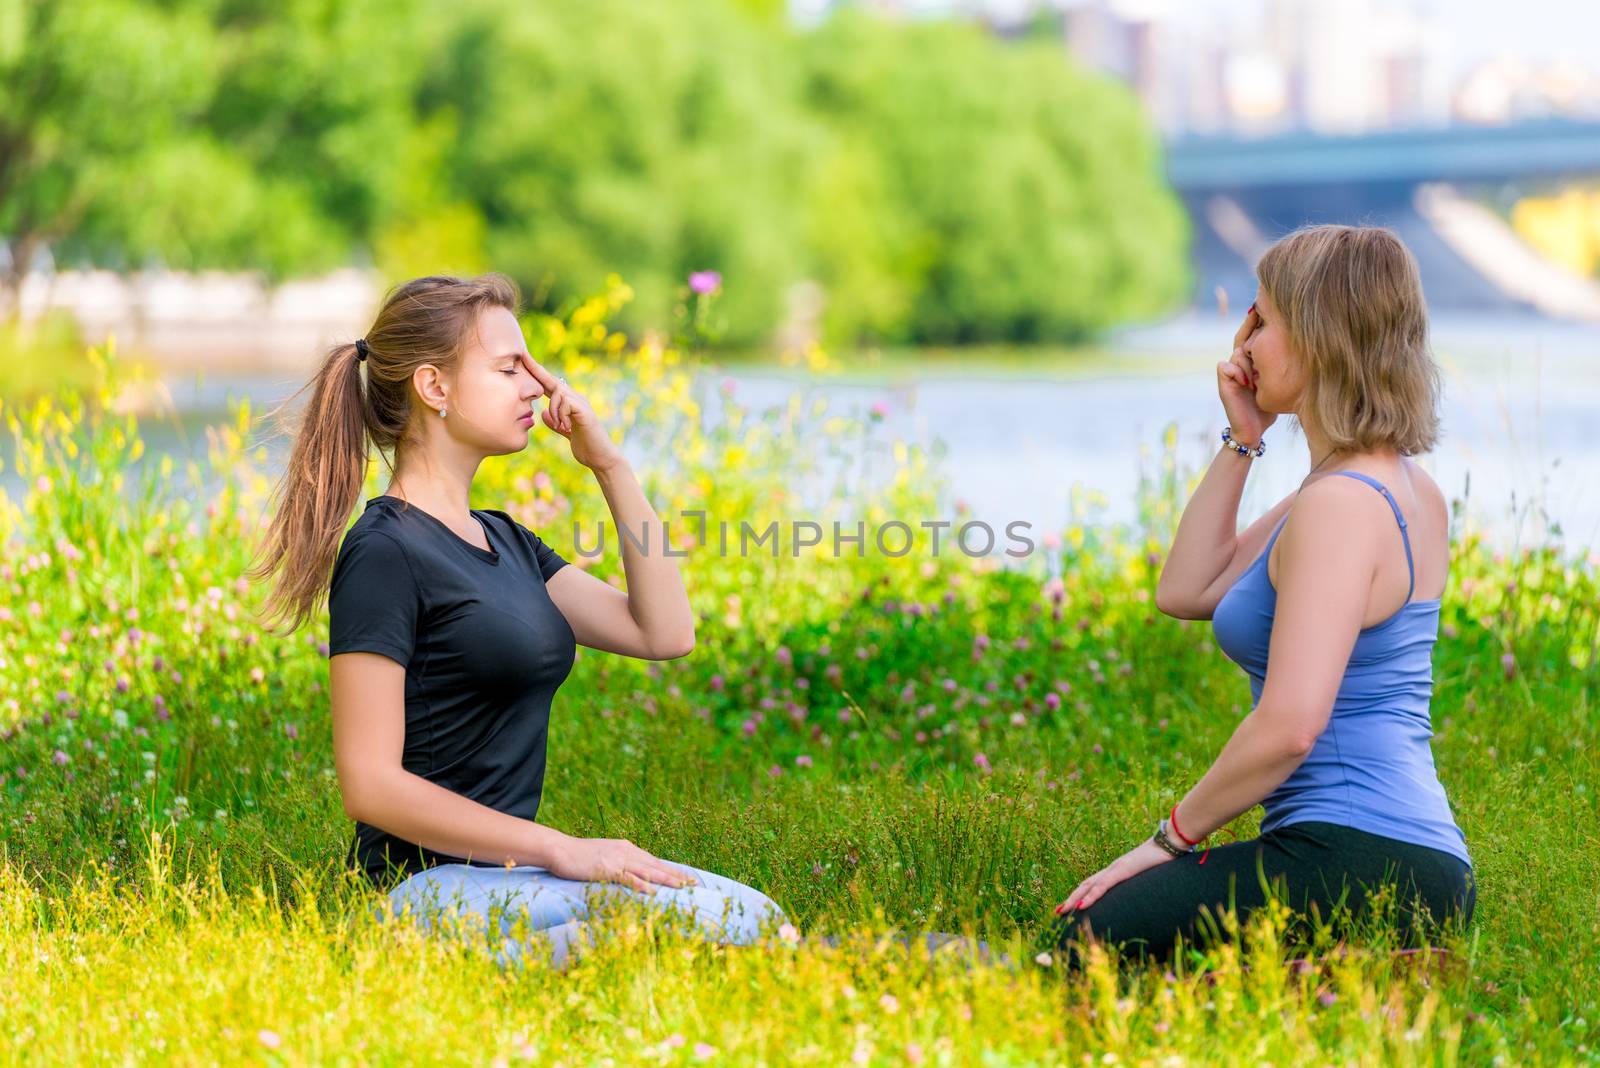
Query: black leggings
[(1313, 865)]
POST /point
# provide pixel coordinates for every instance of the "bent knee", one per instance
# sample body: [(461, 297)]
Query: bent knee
[(739, 916)]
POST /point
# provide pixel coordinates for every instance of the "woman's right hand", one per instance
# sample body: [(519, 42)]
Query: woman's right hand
[(1236, 386), (617, 860)]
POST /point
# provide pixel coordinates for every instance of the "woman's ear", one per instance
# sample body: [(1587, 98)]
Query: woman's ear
[(429, 384)]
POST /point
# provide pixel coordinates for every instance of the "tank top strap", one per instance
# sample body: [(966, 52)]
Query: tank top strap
[(1405, 537)]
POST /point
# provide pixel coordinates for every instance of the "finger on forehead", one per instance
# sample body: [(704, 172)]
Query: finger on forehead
[(540, 374)]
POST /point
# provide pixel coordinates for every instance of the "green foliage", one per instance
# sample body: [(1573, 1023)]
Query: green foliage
[(650, 139), (202, 134), (172, 843), (940, 184), (1015, 197)]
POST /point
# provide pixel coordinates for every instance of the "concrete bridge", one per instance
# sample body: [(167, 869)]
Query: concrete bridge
[(1423, 183)]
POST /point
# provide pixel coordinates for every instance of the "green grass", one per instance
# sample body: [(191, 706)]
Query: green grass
[(172, 890)]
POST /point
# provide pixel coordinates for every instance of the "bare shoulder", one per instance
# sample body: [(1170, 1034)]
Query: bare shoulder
[(1430, 498), (1329, 518)]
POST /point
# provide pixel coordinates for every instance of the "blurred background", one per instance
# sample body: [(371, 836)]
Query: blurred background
[(1021, 230)]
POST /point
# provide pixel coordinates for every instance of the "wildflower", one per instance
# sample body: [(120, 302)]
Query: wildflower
[(913, 1053), (269, 1038), (802, 761), (749, 728), (1508, 663), (785, 657), (705, 282), (1018, 719), (704, 1051), (291, 730), (889, 1004), (880, 409), (982, 762), (675, 1040), (1052, 701), (774, 771), (1327, 998), (60, 757), (257, 675), (789, 933), (717, 683), (1044, 959)]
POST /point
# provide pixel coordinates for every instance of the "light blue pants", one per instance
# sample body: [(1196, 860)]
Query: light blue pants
[(476, 897)]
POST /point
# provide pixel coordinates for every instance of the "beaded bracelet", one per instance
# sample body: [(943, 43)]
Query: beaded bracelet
[(1241, 449)]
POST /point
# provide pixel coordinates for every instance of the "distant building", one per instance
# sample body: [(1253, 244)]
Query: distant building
[(1275, 66)]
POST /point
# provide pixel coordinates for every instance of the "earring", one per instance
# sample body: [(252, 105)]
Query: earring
[(441, 413)]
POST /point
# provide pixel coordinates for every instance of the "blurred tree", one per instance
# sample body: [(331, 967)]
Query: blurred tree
[(650, 140), (769, 11), (91, 94), (203, 133), (941, 184), (1015, 198)]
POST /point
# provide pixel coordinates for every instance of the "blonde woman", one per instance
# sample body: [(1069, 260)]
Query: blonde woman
[(1329, 603), (451, 628)]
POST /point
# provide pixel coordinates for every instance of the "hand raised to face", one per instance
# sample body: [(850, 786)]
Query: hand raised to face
[(569, 414)]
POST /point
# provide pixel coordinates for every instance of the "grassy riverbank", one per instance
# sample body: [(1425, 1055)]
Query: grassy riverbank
[(881, 744)]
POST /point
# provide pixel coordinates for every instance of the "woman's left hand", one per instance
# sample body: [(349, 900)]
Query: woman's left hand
[(1140, 858), (568, 413)]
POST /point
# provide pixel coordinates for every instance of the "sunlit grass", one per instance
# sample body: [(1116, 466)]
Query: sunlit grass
[(885, 746)]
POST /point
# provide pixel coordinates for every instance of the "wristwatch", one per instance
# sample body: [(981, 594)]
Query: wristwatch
[(1164, 840)]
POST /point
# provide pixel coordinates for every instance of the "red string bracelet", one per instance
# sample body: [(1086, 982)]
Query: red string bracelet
[(1231, 836), (1172, 821)]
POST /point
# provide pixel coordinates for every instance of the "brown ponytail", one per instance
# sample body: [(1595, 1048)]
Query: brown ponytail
[(424, 321)]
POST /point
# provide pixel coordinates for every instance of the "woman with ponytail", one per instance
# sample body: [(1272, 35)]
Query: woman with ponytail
[(450, 628)]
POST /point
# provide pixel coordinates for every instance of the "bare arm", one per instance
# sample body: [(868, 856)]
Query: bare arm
[(368, 697), (367, 692), (1325, 576), (652, 620), (1208, 553)]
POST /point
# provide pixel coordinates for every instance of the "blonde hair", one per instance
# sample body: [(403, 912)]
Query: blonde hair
[(1352, 305), (424, 321)]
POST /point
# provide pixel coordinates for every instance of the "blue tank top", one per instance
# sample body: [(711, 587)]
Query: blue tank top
[(1372, 767)]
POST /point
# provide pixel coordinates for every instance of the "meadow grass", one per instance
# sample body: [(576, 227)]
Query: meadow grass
[(883, 745)]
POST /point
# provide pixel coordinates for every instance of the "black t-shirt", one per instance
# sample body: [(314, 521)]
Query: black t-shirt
[(484, 650)]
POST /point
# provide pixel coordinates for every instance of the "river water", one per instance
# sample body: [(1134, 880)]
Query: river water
[(1520, 449)]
